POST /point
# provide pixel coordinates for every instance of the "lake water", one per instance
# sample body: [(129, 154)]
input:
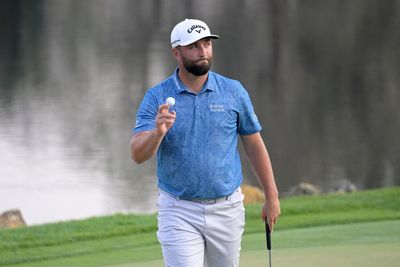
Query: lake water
[(72, 74)]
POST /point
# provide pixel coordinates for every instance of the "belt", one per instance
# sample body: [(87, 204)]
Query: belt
[(203, 201), (210, 201)]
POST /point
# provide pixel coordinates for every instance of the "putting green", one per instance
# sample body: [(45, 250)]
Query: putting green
[(352, 245), (382, 255)]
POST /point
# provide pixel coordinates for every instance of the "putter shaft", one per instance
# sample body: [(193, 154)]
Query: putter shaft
[(270, 260)]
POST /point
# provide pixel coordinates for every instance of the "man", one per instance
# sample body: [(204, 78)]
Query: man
[(200, 205)]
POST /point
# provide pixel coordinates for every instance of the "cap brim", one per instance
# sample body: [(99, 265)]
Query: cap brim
[(212, 36)]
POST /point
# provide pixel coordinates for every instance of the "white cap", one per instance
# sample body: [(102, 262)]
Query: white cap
[(189, 31)]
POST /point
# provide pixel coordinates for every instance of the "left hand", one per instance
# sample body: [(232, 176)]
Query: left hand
[(271, 211)]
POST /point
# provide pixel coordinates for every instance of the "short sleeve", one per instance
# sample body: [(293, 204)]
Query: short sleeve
[(248, 121), (146, 114)]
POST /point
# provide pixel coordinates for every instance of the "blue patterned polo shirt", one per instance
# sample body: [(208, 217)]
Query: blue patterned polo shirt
[(198, 157)]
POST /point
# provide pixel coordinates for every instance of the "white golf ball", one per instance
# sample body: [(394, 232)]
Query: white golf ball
[(170, 101)]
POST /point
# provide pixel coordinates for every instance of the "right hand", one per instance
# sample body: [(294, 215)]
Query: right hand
[(164, 119)]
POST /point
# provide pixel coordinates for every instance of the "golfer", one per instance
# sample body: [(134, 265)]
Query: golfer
[(195, 136)]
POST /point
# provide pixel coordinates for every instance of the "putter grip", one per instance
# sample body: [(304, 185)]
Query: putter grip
[(268, 235)]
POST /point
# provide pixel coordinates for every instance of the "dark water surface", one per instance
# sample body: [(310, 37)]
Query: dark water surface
[(323, 76)]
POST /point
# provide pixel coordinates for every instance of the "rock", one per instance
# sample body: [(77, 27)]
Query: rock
[(12, 219), (252, 194), (304, 189), (345, 186)]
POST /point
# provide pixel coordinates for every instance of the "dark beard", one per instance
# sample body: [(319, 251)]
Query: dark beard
[(196, 68)]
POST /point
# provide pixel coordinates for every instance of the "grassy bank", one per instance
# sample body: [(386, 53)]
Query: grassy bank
[(130, 238)]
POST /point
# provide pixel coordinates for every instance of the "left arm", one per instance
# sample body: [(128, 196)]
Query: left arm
[(260, 162)]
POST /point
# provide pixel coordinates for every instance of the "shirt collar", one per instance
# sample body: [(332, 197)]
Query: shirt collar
[(208, 86)]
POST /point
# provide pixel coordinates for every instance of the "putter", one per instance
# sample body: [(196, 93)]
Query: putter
[(268, 239)]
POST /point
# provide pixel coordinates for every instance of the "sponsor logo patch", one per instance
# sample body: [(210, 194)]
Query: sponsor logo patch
[(176, 41), (255, 117), (216, 107), (137, 124), (196, 28)]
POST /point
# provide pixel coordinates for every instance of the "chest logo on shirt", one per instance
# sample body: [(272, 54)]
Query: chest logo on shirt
[(216, 108)]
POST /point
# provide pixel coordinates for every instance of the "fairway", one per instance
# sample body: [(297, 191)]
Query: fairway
[(350, 245)]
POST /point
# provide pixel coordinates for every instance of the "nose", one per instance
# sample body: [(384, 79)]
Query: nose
[(202, 51)]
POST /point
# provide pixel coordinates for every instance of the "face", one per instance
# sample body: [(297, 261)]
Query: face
[(196, 58)]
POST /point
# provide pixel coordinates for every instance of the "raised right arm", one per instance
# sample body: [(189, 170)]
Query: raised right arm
[(145, 144)]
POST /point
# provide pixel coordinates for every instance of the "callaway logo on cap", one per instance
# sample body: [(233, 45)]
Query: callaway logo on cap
[(189, 31)]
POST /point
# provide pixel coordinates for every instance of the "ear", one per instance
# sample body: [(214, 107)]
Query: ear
[(176, 52)]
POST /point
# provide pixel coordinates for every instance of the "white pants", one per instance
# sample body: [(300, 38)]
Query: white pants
[(196, 235)]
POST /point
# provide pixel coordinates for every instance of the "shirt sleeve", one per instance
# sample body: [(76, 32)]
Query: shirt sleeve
[(248, 121), (146, 114)]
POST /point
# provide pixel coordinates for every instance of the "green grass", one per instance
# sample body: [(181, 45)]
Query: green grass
[(77, 238), (122, 239), (348, 245), (299, 212)]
